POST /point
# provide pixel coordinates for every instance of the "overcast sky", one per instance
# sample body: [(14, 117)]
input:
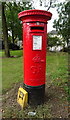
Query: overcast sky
[(52, 10)]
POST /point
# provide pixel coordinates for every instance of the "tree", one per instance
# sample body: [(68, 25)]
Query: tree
[(54, 41), (14, 25), (45, 4), (62, 25), (5, 31)]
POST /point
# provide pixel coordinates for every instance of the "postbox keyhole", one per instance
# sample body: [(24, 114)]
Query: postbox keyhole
[(21, 95)]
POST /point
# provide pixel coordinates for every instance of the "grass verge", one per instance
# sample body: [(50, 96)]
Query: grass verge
[(55, 105), (56, 69)]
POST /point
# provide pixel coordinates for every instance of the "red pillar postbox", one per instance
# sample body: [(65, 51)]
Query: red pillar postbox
[(34, 50)]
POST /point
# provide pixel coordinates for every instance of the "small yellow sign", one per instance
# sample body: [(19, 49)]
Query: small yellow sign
[(22, 97)]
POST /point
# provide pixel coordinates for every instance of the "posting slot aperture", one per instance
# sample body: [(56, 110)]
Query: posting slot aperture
[(37, 28)]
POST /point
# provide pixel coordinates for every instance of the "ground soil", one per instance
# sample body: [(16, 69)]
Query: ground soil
[(55, 97)]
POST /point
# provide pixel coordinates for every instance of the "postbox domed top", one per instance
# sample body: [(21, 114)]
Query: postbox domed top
[(34, 15)]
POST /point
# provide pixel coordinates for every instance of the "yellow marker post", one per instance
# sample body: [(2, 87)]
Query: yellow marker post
[(22, 97)]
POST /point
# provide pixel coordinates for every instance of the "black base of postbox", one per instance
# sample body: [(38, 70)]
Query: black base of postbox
[(35, 94)]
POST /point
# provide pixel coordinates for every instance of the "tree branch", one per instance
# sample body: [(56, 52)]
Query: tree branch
[(49, 5)]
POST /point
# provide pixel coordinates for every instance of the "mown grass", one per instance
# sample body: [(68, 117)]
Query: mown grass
[(12, 70), (56, 70), (56, 75), (12, 53), (0, 73)]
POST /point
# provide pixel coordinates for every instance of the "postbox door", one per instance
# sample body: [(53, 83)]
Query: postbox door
[(35, 60)]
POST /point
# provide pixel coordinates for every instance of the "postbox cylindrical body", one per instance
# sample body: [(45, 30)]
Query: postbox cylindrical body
[(34, 52)]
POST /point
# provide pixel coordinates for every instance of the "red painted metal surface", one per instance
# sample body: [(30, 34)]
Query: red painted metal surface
[(34, 45)]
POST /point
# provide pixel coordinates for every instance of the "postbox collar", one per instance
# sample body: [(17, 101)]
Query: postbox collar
[(34, 15)]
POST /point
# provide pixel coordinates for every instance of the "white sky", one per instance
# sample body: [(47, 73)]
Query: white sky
[(54, 16), (52, 10)]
